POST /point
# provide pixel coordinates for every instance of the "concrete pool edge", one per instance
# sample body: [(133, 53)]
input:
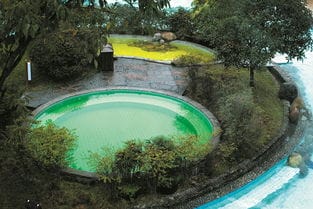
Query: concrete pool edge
[(91, 176)]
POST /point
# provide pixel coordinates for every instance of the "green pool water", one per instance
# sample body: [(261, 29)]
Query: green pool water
[(109, 118)]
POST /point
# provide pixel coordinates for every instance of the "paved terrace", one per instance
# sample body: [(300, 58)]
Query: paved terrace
[(127, 72)]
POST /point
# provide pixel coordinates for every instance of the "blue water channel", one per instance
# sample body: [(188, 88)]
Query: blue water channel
[(281, 186)]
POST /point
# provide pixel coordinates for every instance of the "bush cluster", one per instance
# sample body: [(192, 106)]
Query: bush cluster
[(180, 23), (50, 146), (242, 122), (177, 21), (154, 165), (125, 19), (249, 117), (64, 55), (190, 59)]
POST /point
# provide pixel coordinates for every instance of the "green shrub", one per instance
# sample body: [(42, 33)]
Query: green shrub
[(180, 23), (188, 60), (128, 191), (153, 46), (125, 19), (156, 163), (50, 145), (190, 151), (103, 164), (240, 116), (13, 113), (64, 55), (250, 117), (126, 160)]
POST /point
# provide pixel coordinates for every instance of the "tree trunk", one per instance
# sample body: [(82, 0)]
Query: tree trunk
[(251, 82), (12, 61)]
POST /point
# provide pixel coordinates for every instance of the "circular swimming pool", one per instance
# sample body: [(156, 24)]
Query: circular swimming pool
[(110, 117)]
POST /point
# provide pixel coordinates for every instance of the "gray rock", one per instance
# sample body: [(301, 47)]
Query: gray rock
[(157, 37), (288, 91)]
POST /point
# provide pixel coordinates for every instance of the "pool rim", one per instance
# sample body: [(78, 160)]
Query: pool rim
[(92, 175)]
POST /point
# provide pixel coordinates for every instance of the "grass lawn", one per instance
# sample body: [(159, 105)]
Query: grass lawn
[(265, 95), (214, 85)]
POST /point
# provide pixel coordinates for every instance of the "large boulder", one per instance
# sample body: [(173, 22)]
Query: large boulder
[(157, 37), (294, 115), (295, 160), (294, 112), (168, 36), (297, 103), (288, 91)]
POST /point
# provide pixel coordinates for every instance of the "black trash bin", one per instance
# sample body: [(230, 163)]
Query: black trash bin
[(106, 58)]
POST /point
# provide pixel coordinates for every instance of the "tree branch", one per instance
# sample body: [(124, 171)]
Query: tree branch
[(12, 61)]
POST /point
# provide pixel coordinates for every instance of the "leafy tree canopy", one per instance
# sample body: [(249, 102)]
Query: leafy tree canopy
[(89, 3), (20, 22), (23, 20), (248, 33), (149, 7)]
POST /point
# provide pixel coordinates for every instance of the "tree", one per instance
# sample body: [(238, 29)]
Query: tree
[(180, 23), (88, 3), (20, 22), (149, 7), (248, 33), (65, 54)]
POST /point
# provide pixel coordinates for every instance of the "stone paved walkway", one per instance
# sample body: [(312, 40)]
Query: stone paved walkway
[(127, 72)]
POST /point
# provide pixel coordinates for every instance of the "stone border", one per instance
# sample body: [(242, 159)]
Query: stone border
[(85, 176), (146, 59), (150, 38), (248, 170), (280, 75), (288, 89)]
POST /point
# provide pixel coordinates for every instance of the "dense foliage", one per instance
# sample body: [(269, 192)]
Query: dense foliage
[(13, 113), (64, 55), (20, 21), (151, 165), (50, 146), (180, 22), (250, 118), (248, 33), (125, 19), (245, 33)]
